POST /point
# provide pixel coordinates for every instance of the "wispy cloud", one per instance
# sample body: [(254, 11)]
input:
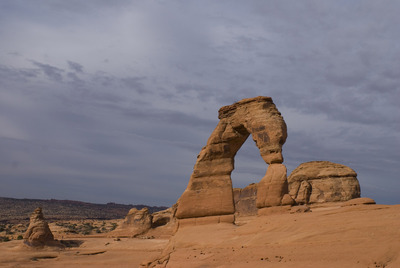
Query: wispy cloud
[(51, 72), (75, 66)]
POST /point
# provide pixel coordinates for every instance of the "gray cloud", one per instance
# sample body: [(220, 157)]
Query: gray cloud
[(51, 72), (135, 83), (74, 125), (75, 66), (17, 74)]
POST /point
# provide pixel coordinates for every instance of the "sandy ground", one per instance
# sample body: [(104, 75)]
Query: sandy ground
[(359, 236), (93, 252), (329, 236)]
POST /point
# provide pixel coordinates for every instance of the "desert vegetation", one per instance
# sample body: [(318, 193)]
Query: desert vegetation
[(86, 227), (11, 231)]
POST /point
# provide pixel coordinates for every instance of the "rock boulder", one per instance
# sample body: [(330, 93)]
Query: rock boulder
[(135, 223), (323, 181)]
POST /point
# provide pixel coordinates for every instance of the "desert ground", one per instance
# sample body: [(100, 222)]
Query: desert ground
[(93, 252), (331, 235)]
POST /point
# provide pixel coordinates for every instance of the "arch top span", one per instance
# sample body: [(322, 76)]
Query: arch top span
[(259, 117), (209, 192), (228, 110)]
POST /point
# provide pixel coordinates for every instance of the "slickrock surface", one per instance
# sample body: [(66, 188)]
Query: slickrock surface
[(327, 236), (323, 181), (359, 201), (38, 233), (209, 192)]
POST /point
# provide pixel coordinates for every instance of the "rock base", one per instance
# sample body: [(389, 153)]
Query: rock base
[(206, 220)]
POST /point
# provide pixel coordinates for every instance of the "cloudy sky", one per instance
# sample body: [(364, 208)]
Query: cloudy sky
[(111, 101)]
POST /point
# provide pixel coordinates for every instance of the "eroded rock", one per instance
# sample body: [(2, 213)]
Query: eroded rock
[(135, 223), (163, 217), (245, 200), (272, 187), (304, 193), (287, 200), (209, 192), (38, 233), (323, 181)]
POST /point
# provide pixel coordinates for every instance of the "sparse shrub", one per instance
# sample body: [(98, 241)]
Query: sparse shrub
[(4, 239), (20, 237), (71, 228), (88, 225), (113, 226)]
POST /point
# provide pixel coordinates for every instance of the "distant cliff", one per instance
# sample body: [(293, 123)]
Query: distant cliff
[(12, 209)]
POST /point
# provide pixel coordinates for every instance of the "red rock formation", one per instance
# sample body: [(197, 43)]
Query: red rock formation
[(272, 187), (323, 181), (38, 233), (245, 200), (136, 222), (209, 192)]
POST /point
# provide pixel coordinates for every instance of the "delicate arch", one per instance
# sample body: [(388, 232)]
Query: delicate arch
[(209, 192)]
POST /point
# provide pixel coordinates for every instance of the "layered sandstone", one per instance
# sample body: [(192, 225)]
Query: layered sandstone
[(359, 201), (163, 217), (323, 181), (38, 233), (245, 200), (209, 192), (135, 223), (272, 187)]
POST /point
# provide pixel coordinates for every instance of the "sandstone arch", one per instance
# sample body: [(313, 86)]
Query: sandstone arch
[(209, 192)]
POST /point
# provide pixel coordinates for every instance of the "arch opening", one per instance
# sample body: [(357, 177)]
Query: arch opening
[(249, 167)]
